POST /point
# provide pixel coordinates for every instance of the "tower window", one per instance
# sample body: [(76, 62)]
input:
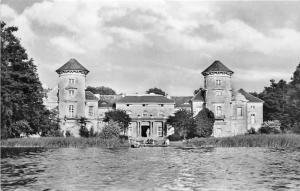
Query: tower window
[(219, 111), (218, 92), (218, 82), (91, 111), (252, 119), (72, 81), (71, 92), (71, 110), (239, 111)]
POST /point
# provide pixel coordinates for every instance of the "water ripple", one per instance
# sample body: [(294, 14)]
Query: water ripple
[(150, 169)]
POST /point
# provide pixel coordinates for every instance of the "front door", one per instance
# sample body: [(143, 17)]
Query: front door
[(144, 130)]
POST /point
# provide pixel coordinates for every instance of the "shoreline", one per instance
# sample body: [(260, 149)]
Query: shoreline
[(257, 140)]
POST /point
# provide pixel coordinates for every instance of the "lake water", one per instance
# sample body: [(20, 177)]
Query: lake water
[(150, 169)]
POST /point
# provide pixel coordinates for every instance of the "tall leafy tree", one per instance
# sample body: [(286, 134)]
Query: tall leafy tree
[(294, 100), (156, 91), (101, 90), (119, 116), (183, 123), (276, 105), (204, 120), (21, 89)]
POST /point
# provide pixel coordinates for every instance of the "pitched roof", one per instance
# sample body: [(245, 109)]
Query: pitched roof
[(72, 64), (250, 97), (198, 97), (90, 96), (105, 104), (145, 99), (217, 66), (182, 101)]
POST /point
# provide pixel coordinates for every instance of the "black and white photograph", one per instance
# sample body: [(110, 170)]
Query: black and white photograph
[(154, 95)]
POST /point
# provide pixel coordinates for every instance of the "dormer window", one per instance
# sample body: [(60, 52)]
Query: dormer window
[(218, 82), (72, 81)]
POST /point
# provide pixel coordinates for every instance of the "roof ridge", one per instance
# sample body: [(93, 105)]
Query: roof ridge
[(249, 97), (217, 66), (72, 64)]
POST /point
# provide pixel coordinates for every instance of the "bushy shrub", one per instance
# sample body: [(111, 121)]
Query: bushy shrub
[(83, 131), (296, 128), (251, 131), (20, 127), (175, 137), (110, 130), (269, 127), (68, 133), (204, 123)]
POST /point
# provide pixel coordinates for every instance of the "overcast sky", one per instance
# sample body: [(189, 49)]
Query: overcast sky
[(132, 46)]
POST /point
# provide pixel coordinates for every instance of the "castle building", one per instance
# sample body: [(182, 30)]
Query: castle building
[(235, 111), (148, 113)]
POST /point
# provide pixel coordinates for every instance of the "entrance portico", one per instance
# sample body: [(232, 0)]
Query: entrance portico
[(140, 128)]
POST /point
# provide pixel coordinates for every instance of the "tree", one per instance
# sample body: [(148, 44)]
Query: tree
[(83, 131), (101, 90), (111, 130), (183, 123), (276, 105), (119, 116), (204, 123), (21, 89), (294, 100), (156, 91)]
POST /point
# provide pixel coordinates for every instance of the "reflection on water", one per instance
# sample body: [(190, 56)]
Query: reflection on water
[(150, 169)]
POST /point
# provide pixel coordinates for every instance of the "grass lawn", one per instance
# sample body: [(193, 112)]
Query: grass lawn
[(259, 140), (57, 142)]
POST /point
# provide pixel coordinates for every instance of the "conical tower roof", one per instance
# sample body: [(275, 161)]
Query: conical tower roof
[(217, 66), (72, 64)]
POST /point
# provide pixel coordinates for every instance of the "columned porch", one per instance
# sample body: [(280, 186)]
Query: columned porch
[(146, 128)]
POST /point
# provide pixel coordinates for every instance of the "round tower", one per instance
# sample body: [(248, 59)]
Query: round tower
[(71, 90), (217, 82)]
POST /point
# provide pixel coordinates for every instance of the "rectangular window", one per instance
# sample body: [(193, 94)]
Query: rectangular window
[(252, 107), (218, 92), (91, 111), (218, 82), (219, 111), (71, 110), (252, 119), (159, 131), (239, 111), (71, 92), (161, 105), (72, 81)]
